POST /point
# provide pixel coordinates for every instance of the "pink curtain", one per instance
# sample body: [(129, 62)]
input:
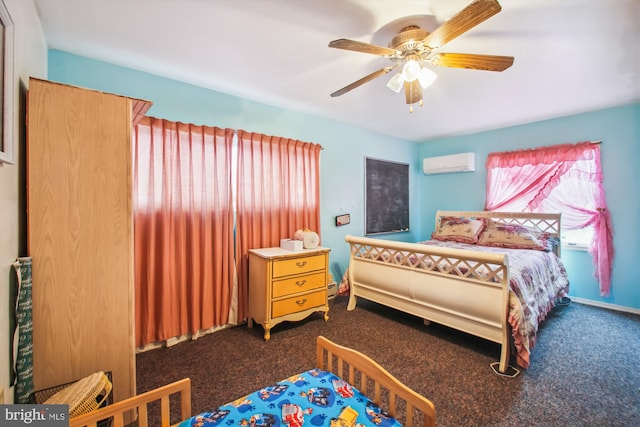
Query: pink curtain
[(278, 185), (183, 228), (529, 180)]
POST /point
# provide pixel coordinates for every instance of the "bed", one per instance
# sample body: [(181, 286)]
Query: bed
[(494, 275), (346, 388)]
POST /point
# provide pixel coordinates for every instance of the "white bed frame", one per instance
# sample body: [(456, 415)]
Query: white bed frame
[(474, 303)]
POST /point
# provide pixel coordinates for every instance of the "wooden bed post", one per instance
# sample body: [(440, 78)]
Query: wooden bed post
[(352, 296)]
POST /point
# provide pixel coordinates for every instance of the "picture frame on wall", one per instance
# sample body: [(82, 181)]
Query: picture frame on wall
[(7, 88)]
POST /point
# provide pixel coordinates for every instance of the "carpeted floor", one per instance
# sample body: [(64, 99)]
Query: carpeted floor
[(585, 368)]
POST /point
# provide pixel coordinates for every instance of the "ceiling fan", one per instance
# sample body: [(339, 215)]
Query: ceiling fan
[(414, 46)]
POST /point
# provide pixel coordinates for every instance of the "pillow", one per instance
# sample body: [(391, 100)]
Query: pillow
[(463, 230), (513, 236), (552, 243)]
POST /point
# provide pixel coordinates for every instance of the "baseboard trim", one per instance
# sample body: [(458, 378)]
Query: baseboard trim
[(606, 305)]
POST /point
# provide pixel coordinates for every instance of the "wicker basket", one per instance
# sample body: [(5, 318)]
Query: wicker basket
[(82, 396), (85, 395)]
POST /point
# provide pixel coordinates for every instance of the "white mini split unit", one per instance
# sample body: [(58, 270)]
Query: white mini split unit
[(463, 162)]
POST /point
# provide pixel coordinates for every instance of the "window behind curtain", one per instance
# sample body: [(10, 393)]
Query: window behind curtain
[(183, 229), (564, 178), (190, 183), (278, 192)]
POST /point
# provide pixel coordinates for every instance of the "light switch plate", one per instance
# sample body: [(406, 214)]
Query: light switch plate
[(343, 219)]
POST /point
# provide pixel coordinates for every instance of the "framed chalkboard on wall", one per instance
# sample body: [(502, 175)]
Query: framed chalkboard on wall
[(386, 196)]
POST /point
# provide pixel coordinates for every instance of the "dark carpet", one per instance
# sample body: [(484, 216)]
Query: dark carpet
[(585, 367)]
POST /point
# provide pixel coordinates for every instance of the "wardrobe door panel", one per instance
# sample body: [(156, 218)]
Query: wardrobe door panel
[(80, 234)]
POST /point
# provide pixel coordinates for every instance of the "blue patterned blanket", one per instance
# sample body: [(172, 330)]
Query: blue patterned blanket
[(313, 398)]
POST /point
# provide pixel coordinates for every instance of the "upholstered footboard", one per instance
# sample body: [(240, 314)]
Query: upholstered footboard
[(490, 274), (465, 290)]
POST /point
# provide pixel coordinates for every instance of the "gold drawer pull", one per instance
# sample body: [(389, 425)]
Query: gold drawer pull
[(301, 301), (301, 282), (301, 263)]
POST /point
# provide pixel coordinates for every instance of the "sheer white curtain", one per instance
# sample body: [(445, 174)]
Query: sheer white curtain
[(564, 178)]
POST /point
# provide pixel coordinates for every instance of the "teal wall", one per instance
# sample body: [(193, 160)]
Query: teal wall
[(345, 148), (341, 162), (619, 130)]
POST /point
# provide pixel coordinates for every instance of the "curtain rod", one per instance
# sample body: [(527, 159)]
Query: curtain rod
[(235, 132), (596, 142)]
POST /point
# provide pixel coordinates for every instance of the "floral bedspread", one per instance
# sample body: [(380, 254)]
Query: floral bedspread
[(538, 279), (314, 397)]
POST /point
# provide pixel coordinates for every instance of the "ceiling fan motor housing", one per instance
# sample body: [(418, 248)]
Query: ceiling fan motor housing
[(409, 40)]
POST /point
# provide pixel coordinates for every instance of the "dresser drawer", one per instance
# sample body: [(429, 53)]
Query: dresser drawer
[(298, 284), (298, 303), (289, 267)]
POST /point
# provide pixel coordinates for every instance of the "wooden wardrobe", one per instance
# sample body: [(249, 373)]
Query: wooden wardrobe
[(80, 233)]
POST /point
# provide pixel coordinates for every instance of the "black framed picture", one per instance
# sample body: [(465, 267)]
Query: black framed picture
[(386, 196), (7, 88)]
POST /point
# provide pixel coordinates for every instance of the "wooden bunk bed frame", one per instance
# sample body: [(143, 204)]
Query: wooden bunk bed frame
[(394, 274), (404, 404)]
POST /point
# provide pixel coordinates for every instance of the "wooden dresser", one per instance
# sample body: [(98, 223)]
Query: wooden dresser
[(286, 285)]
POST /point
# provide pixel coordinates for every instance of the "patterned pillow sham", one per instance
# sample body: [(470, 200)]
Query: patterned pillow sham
[(463, 230), (552, 243), (514, 236)]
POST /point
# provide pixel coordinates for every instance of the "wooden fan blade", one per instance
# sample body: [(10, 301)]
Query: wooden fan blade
[(412, 91), (363, 80), (357, 46), (472, 15), (472, 61)]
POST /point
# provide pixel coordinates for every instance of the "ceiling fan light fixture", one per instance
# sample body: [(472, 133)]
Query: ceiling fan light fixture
[(426, 77), (396, 83), (411, 70)]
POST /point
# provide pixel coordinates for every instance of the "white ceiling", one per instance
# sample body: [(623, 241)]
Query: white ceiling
[(571, 56)]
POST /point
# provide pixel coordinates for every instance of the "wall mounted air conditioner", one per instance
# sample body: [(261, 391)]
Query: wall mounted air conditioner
[(463, 162)]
